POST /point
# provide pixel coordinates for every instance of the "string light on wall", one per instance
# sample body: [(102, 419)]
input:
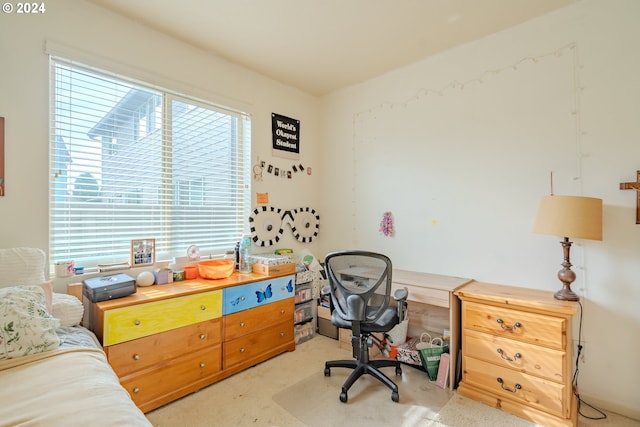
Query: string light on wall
[(428, 114), (484, 76)]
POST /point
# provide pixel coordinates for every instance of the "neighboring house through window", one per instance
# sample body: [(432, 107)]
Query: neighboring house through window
[(131, 162)]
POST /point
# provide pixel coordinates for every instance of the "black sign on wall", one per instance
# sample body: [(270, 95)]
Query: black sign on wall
[(286, 136)]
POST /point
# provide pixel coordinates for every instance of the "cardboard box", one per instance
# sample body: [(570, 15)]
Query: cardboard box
[(267, 270), (326, 328)]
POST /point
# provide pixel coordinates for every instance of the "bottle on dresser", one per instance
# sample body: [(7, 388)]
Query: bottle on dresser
[(244, 263)]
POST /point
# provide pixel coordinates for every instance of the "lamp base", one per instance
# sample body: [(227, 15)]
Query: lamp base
[(566, 294)]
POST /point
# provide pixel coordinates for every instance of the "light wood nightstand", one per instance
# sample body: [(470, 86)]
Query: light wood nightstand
[(516, 352)]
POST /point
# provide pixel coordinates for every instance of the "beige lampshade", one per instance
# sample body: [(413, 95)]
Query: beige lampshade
[(570, 216)]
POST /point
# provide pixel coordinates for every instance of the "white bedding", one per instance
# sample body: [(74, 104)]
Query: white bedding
[(71, 386)]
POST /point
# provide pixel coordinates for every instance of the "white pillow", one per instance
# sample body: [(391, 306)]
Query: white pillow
[(26, 327), (22, 266), (68, 309)]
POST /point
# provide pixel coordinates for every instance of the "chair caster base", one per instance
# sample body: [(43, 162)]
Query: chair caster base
[(343, 397), (395, 396)]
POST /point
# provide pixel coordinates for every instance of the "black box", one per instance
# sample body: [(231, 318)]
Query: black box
[(108, 287)]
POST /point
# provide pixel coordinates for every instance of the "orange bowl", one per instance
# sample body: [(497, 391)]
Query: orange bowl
[(216, 268)]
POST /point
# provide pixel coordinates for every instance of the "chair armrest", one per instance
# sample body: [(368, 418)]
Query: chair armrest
[(401, 294)]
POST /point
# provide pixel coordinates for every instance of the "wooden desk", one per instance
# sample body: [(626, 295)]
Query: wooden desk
[(433, 307)]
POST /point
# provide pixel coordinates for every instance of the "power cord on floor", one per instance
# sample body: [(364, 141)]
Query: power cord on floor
[(581, 402)]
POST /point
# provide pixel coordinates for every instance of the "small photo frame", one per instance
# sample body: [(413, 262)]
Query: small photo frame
[(143, 252)]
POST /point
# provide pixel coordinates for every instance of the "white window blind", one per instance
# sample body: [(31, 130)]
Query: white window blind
[(132, 161)]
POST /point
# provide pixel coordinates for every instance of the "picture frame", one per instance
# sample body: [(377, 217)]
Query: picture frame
[(143, 252)]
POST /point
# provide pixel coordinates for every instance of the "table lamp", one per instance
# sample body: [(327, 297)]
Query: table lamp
[(569, 216)]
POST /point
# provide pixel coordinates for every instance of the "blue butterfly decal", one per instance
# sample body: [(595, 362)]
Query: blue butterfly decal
[(290, 286), (263, 295)]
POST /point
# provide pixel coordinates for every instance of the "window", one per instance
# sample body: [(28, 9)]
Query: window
[(132, 161)]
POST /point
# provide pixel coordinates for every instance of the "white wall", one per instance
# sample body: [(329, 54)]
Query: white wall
[(460, 146), (87, 33)]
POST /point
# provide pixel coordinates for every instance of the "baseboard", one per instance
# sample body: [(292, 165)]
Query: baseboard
[(608, 406)]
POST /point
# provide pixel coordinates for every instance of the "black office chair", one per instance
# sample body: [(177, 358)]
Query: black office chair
[(360, 289)]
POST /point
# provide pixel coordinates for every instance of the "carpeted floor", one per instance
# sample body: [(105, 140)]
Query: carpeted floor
[(369, 401), (291, 390)]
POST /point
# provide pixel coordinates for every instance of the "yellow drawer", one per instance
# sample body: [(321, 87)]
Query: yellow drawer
[(536, 392), (136, 321), (529, 358), (535, 328)]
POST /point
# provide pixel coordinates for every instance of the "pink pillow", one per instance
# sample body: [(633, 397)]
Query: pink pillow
[(47, 287)]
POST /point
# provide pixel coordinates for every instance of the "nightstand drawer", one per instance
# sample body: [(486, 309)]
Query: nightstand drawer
[(131, 356), (136, 321), (254, 345), (249, 321), (244, 297), (520, 325), (529, 358), (174, 375), (536, 392)]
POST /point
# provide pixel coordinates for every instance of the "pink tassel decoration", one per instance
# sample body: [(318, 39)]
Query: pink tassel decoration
[(386, 225)]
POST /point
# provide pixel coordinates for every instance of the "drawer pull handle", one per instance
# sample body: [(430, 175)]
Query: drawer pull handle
[(511, 390), (203, 307), (203, 337), (136, 357), (282, 334), (202, 365), (282, 311), (242, 324), (508, 328), (137, 322), (136, 390), (242, 350), (507, 358)]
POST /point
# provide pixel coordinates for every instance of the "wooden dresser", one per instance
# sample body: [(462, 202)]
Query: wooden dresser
[(166, 341), (516, 352)]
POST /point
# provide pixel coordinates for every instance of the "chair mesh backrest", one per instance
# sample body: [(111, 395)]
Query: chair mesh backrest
[(366, 275)]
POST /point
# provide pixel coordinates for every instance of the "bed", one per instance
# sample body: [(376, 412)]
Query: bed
[(53, 371)]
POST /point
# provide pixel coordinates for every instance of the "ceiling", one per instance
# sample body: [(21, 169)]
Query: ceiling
[(320, 46)]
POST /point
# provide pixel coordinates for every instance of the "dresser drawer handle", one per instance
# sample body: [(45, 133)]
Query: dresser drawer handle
[(202, 364), (242, 350), (203, 337), (283, 311), (137, 322), (136, 390), (511, 390), (203, 307), (136, 357), (507, 358), (242, 324), (508, 328), (282, 334)]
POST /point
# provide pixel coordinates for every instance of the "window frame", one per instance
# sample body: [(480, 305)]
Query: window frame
[(110, 143)]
